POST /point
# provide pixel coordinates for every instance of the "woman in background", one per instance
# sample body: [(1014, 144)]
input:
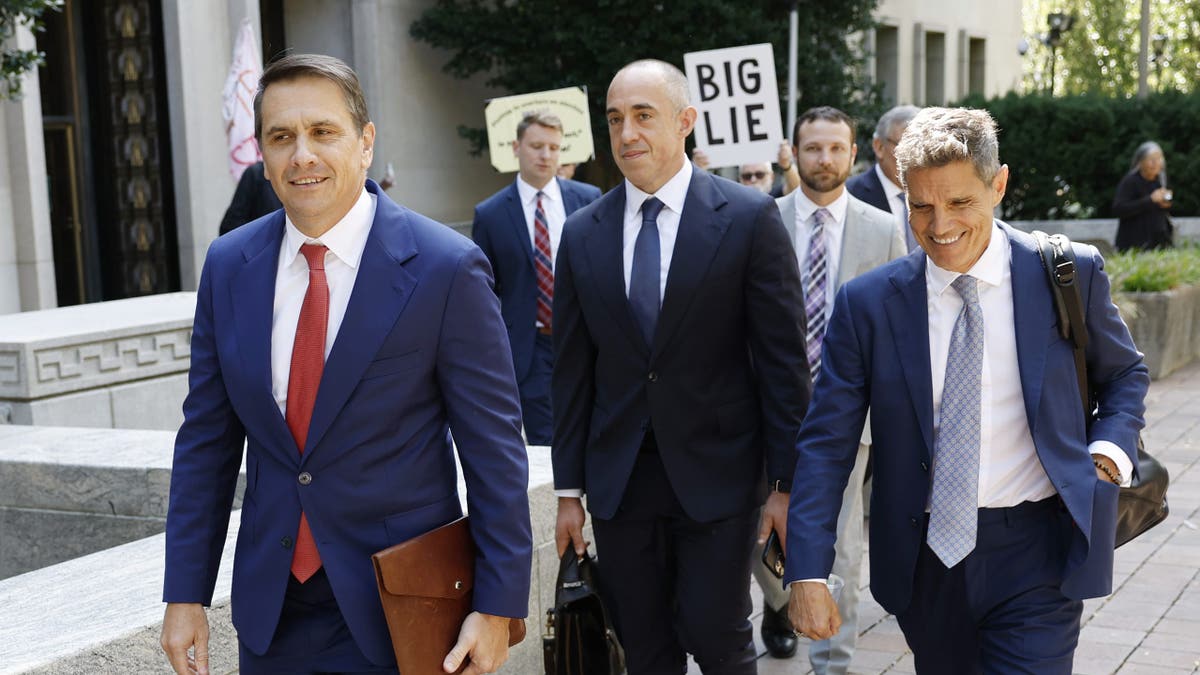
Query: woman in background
[(1142, 202)]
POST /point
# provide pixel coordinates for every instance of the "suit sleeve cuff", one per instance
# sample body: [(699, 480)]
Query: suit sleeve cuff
[(577, 493), (1117, 455), (807, 581)]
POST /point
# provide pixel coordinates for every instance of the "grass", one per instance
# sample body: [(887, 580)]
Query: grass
[(1154, 271)]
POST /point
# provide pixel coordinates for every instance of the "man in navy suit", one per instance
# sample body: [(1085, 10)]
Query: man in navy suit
[(994, 507), (879, 186), (339, 341), (679, 384), (519, 229)]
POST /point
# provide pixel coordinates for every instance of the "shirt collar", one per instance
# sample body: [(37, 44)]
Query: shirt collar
[(805, 207), (672, 194), (346, 239), (989, 269), (888, 186), (528, 193)]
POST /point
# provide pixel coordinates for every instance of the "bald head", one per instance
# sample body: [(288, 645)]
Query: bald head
[(672, 80)]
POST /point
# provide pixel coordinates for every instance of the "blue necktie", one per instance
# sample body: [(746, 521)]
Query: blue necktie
[(645, 280), (954, 499)]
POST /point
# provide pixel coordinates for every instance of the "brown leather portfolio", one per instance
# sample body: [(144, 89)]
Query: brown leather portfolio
[(425, 584)]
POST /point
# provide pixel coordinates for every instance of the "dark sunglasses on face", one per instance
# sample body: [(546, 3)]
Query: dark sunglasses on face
[(753, 176)]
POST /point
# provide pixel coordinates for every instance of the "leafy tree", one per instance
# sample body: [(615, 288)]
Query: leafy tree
[(1099, 55), (14, 63), (533, 45)]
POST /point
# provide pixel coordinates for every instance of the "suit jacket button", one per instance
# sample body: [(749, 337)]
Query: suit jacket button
[(304, 478), (653, 376), (924, 466), (286, 542), (914, 521)]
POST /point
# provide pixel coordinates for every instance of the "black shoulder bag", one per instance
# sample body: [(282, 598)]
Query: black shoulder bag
[(1143, 504), (579, 638)]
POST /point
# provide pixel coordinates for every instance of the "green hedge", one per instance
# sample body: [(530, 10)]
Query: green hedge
[(1067, 154), (1150, 271)]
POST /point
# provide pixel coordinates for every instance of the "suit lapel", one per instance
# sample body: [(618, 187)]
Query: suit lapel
[(604, 255), (253, 291), (516, 219), (571, 199), (1032, 318), (908, 316), (382, 288), (855, 244), (787, 211), (701, 228)]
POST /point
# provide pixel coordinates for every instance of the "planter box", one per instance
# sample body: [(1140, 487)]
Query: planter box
[(1166, 328)]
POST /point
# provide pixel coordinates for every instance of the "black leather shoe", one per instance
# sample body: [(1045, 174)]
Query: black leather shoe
[(777, 633)]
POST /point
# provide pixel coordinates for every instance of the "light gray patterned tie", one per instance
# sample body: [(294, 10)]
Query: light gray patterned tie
[(954, 502), (815, 280)]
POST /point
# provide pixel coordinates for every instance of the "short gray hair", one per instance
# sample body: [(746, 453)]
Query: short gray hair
[(901, 114), (675, 83), (939, 136)]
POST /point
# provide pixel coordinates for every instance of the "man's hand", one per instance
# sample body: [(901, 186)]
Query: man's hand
[(774, 517), (185, 625), (1113, 473), (785, 156), (482, 642), (569, 527), (812, 611)]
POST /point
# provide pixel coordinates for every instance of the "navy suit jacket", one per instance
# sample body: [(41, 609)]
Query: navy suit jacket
[(866, 186), (421, 350), (501, 231), (724, 383), (877, 354)]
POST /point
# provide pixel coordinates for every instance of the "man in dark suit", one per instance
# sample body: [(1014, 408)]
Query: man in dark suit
[(679, 383), (879, 186), (994, 503), (519, 229), (340, 341)]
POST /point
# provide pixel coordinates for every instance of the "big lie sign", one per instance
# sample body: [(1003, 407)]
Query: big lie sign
[(737, 97)]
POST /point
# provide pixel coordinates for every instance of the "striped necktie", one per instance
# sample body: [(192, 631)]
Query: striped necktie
[(816, 281), (543, 264)]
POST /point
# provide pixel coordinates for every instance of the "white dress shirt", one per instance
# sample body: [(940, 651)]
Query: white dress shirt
[(895, 200), (672, 194), (552, 205), (806, 220), (1009, 469), (345, 242)]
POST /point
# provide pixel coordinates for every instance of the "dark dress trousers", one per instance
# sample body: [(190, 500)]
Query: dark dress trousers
[(500, 230), (673, 443)]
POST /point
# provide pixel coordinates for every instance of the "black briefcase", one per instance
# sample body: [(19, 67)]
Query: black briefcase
[(579, 638)]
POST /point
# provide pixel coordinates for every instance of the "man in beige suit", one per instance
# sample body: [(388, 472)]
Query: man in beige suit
[(837, 237)]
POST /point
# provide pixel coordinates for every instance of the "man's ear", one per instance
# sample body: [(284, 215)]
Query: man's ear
[(515, 144), (687, 121), (368, 138), (1000, 184)]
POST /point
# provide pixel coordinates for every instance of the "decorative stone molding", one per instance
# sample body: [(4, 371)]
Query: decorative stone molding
[(74, 349)]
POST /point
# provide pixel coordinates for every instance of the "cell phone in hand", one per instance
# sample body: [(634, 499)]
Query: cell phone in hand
[(773, 556)]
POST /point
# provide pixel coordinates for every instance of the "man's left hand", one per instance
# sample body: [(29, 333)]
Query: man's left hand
[(483, 642), (774, 517)]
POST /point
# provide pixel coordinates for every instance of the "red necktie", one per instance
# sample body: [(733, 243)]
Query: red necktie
[(308, 360), (543, 264)]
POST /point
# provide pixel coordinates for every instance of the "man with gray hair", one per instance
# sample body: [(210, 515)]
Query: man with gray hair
[(994, 507), (879, 186)]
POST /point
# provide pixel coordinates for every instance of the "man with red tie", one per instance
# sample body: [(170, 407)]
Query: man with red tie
[(340, 341), (519, 229)]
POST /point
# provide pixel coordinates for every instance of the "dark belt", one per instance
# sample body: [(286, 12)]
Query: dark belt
[(1020, 512)]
